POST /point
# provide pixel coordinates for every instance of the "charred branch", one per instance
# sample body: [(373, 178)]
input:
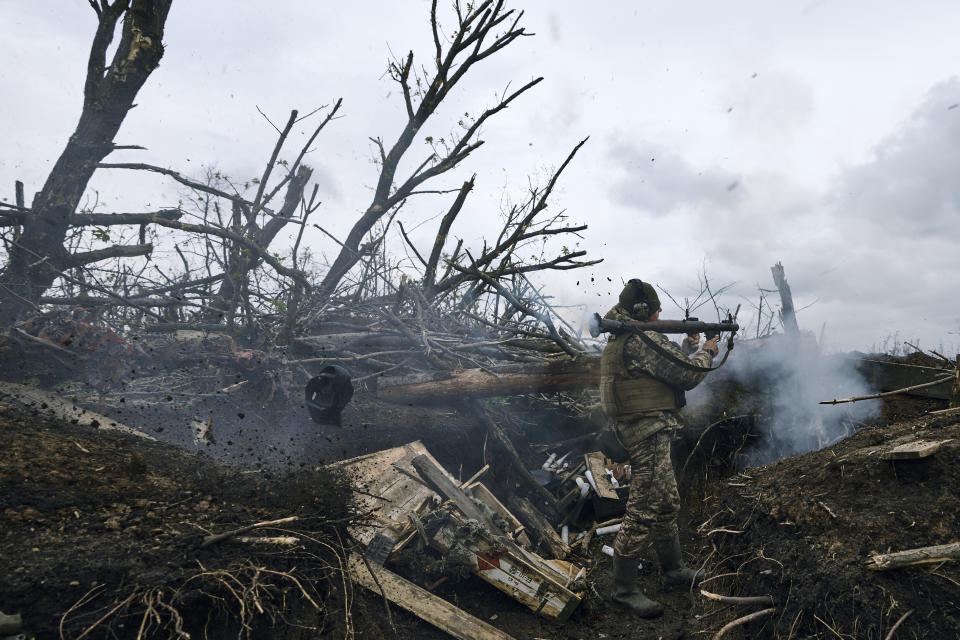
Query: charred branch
[(119, 251), (430, 273), (188, 182), (467, 48), (108, 96)]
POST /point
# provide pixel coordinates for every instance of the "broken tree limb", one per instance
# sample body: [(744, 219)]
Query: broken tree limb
[(220, 537), (745, 619), (912, 557), (422, 603), (945, 412), (50, 404), (514, 467), (738, 600), (509, 380), (282, 540), (535, 521), (889, 393)]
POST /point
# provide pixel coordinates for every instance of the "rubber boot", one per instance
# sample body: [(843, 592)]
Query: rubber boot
[(625, 590), (671, 561)]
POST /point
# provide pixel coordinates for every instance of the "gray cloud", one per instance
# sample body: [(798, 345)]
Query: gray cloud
[(910, 186), (768, 104), (658, 181)]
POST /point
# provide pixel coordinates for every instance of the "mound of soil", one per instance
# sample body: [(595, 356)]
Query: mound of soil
[(802, 530), (102, 531)]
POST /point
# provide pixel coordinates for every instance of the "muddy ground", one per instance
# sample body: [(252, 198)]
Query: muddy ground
[(102, 530)]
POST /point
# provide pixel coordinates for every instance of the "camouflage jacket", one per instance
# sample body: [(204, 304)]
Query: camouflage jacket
[(640, 358)]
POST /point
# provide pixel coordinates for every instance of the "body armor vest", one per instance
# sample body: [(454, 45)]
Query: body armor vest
[(622, 394)]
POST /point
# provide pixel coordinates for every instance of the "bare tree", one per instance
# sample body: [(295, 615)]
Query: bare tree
[(481, 31), (37, 257)]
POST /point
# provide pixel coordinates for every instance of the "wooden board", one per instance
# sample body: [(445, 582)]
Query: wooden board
[(423, 604), (914, 450), (388, 494), (480, 492), (597, 464), (441, 482)]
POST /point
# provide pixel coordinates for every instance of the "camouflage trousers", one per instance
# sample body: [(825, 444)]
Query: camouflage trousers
[(654, 501)]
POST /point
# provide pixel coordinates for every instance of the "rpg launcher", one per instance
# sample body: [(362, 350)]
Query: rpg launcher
[(600, 325)]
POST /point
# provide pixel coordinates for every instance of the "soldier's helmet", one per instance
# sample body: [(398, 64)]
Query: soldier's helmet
[(639, 299)]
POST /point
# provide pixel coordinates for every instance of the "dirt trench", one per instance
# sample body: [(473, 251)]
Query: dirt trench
[(101, 525)]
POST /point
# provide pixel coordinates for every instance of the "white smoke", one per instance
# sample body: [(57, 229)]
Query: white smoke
[(783, 380)]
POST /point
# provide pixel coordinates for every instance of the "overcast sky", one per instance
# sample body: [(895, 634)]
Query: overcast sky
[(823, 134)]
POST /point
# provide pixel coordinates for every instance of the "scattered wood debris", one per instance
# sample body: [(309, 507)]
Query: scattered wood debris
[(914, 450), (420, 602), (409, 494)]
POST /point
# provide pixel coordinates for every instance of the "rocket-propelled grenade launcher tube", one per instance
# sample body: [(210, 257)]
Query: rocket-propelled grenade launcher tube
[(600, 325)]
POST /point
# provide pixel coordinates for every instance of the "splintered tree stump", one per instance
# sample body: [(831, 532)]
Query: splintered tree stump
[(787, 314)]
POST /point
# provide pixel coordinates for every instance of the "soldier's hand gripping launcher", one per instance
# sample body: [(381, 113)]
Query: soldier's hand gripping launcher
[(600, 325)]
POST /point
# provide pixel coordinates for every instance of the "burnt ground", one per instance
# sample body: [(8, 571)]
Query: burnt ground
[(100, 525), (101, 534), (802, 530)]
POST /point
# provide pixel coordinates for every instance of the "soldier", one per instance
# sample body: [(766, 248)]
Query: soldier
[(642, 380)]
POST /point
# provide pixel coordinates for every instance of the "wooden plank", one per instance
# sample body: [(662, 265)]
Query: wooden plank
[(911, 557), (598, 464), (423, 604), (914, 450), (432, 472), (480, 492), (388, 494), (536, 521)]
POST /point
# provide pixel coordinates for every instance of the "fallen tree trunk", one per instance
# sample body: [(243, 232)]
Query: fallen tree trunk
[(477, 383)]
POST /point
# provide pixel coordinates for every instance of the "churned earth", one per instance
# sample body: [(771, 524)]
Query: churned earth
[(102, 535)]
